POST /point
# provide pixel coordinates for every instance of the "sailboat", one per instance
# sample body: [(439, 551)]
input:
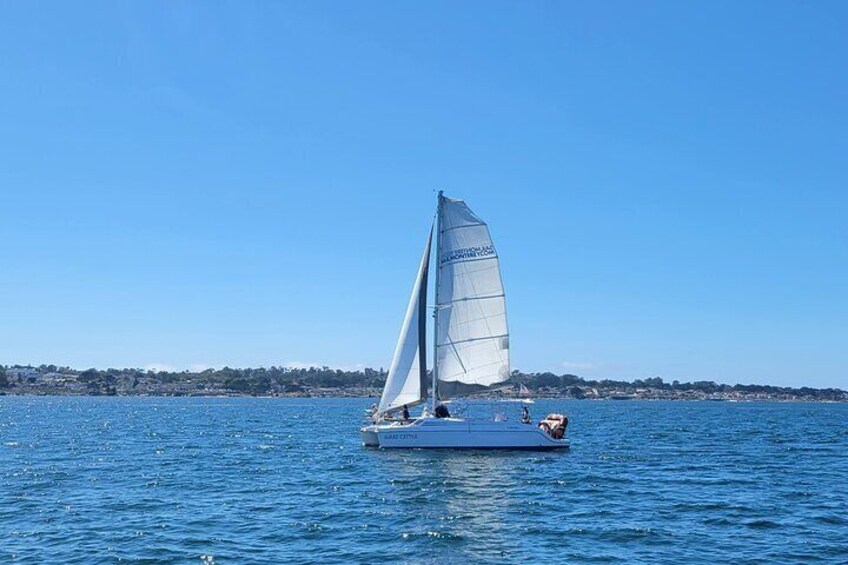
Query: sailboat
[(470, 351)]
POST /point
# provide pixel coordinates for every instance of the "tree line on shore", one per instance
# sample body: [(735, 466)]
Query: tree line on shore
[(265, 380)]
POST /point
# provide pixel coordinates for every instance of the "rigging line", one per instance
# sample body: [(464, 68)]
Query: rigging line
[(476, 381), (467, 298), (469, 320), (455, 352), (482, 366), (463, 226), (470, 339)]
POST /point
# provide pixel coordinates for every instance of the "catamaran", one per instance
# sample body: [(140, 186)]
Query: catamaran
[(470, 351)]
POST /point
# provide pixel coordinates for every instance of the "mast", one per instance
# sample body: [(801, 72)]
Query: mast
[(433, 394)]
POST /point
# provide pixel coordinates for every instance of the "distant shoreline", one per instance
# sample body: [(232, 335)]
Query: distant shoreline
[(324, 382), (35, 394)]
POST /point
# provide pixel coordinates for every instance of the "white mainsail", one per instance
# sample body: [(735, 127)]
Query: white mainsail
[(472, 339), (406, 383)]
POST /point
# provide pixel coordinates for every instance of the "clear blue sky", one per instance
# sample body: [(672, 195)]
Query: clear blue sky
[(191, 184)]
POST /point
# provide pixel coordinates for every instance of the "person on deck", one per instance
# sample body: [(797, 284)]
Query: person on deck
[(442, 411), (525, 415), (405, 412)]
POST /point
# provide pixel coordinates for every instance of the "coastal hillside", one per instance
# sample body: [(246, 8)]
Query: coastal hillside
[(327, 382)]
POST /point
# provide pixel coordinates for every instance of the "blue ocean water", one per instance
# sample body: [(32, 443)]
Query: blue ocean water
[(265, 480)]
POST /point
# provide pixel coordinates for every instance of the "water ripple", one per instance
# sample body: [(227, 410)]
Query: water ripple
[(215, 481)]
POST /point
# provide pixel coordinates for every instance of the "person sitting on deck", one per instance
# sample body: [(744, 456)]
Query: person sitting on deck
[(442, 411), (525, 415)]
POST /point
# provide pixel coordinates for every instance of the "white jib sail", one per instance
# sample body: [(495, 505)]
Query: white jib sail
[(472, 339), (406, 383)]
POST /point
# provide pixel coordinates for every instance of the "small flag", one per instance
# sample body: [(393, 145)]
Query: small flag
[(523, 390)]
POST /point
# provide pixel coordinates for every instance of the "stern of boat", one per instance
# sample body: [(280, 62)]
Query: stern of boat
[(369, 436)]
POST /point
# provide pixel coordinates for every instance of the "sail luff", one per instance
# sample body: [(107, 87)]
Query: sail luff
[(422, 320)]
